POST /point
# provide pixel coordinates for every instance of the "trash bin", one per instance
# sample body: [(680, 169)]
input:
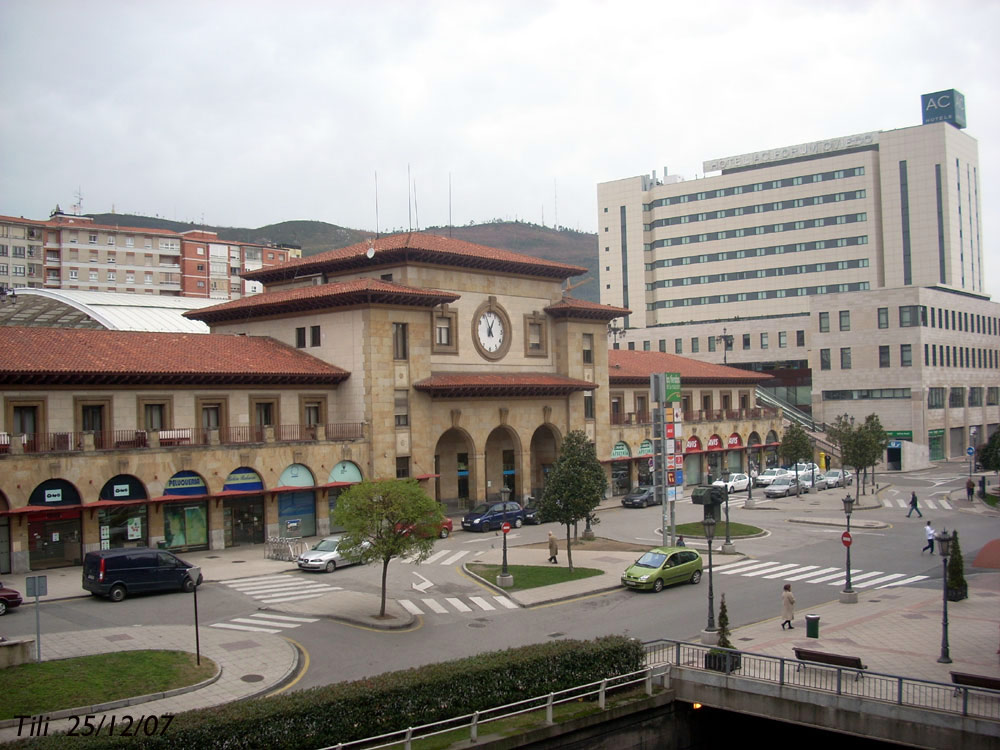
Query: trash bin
[(812, 626), (161, 545)]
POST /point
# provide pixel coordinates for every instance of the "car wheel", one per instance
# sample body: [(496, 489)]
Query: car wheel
[(518, 523), (696, 577), (331, 566), (188, 586), (658, 585), (3, 607), (443, 533), (117, 593)]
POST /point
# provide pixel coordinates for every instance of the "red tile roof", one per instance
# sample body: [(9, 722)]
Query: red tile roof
[(416, 247), (570, 307), (61, 356), (85, 223), (494, 385), (366, 291), (632, 367)]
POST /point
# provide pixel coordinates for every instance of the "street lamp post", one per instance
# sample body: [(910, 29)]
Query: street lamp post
[(848, 595), (505, 579), (728, 547), (711, 634), (944, 540)]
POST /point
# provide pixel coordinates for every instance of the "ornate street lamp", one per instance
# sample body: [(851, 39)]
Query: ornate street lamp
[(848, 595), (709, 524), (7, 293), (944, 540)]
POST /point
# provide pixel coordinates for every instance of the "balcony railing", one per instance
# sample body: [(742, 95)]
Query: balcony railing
[(712, 415), (120, 440)]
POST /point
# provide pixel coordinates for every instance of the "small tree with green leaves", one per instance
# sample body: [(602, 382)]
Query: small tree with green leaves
[(383, 520), (838, 432), (724, 641), (956, 567), (575, 486), (989, 453), (795, 447)]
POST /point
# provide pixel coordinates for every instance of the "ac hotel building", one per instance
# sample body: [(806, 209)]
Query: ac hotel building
[(851, 269)]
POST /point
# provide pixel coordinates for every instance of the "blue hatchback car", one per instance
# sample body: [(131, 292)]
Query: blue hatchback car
[(490, 516)]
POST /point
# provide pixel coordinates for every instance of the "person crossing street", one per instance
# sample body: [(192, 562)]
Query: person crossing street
[(929, 532), (913, 505)]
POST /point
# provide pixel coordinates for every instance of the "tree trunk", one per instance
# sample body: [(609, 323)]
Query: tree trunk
[(569, 549), (385, 571)]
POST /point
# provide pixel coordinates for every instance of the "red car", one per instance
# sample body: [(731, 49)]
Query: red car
[(8, 599), (444, 529)]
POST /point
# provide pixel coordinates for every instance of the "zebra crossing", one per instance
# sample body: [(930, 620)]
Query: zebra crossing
[(461, 605), (280, 588), (264, 622), (835, 576), (440, 557), (923, 504)]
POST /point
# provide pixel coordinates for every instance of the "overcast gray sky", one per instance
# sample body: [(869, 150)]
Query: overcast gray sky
[(246, 113)]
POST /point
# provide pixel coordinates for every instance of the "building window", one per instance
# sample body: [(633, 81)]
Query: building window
[(763, 341), (588, 348), (402, 467), (444, 327), (155, 414), (845, 358), (694, 344), (588, 405), (935, 398), (314, 336), (906, 355), (678, 346), (912, 315), (883, 317), (992, 395), (92, 239), (824, 359), (975, 396), (399, 343), (663, 345), (300, 338), (746, 341), (645, 345), (824, 322), (782, 339), (264, 412), (845, 320), (711, 343), (402, 409), (883, 356), (956, 398)]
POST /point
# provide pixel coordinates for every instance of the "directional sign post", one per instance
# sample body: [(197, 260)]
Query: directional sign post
[(505, 528), (37, 586)]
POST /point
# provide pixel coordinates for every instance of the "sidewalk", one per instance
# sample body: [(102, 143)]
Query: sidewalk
[(897, 631)]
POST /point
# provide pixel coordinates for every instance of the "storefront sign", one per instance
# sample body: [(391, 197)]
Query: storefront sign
[(671, 446), (693, 444), (665, 387), (185, 483), (646, 448), (734, 441), (944, 106), (813, 148), (244, 480), (902, 434), (53, 496), (134, 528), (935, 433), (621, 450), (121, 490), (714, 443)]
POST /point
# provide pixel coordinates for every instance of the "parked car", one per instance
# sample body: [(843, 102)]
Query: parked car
[(9, 599), (117, 573), (441, 530), (663, 566), (805, 468), (640, 497), (765, 478), (490, 516), (328, 554), (838, 478), (733, 483), (783, 486), (531, 514), (819, 484)]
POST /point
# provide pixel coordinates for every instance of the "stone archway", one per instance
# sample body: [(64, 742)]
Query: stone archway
[(545, 443), (503, 463), (454, 464)]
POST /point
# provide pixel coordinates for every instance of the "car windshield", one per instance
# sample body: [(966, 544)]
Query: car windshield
[(771, 473), (833, 473), (651, 560), (326, 545), (783, 480), (479, 509)]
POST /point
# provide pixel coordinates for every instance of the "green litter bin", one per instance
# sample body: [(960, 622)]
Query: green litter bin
[(812, 626)]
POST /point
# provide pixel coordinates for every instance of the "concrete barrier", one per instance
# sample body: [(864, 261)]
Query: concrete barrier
[(16, 652)]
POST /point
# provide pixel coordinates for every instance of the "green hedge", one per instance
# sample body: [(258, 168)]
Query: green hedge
[(354, 710)]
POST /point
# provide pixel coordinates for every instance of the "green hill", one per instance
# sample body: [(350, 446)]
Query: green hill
[(563, 245)]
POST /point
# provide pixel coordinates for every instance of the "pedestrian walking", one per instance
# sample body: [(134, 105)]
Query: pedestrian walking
[(929, 531), (970, 488), (913, 505), (787, 607), (680, 541), (553, 549)]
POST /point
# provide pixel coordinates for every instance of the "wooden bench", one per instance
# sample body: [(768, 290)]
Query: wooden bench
[(836, 660), (974, 680)]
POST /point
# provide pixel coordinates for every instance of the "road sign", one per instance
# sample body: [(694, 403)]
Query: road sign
[(846, 538), (970, 451), (652, 463), (36, 586), (506, 527), (680, 476)]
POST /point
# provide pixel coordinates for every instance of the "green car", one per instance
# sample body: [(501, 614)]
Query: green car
[(662, 566)]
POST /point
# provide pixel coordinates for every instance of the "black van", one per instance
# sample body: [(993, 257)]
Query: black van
[(116, 573)]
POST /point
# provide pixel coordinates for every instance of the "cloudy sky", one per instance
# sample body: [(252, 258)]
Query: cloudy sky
[(245, 113)]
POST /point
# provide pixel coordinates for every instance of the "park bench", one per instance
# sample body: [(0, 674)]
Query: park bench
[(974, 680), (822, 657)]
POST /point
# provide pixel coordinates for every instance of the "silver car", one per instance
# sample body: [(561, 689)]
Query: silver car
[(327, 554), (838, 478)]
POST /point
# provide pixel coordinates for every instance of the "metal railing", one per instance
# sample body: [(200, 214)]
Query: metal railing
[(472, 722), (981, 703)]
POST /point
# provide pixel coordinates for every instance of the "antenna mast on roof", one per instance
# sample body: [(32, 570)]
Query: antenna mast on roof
[(376, 203), (78, 206), (555, 193), (416, 208), (449, 205), (409, 201)]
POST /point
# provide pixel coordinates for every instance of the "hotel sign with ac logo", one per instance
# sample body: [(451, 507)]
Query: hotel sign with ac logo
[(944, 106)]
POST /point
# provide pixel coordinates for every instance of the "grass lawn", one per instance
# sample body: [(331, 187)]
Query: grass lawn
[(735, 530), (533, 576), (68, 683)]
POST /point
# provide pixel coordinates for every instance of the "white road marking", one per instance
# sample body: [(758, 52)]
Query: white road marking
[(230, 626), (797, 570), (810, 575), (459, 605), (441, 610), (481, 603), (410, 607)]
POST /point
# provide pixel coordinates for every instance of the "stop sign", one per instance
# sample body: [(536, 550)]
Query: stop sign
[(505, 528), (846, 538)]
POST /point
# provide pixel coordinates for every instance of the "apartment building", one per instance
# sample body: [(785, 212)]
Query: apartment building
[(733, 267)]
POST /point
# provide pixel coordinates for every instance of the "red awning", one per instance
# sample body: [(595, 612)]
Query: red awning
[(31, 509)]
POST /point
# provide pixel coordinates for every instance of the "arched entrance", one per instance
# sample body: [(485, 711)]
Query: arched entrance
[(243, 508), (771, 444), (454, 466), (545, 444), (185, 520), (503, 458), (342, 476), (122, 517), (297, 508), (55, 535), (755, 454)]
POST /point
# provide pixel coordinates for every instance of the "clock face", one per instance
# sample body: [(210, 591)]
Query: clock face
[(491, 331)]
